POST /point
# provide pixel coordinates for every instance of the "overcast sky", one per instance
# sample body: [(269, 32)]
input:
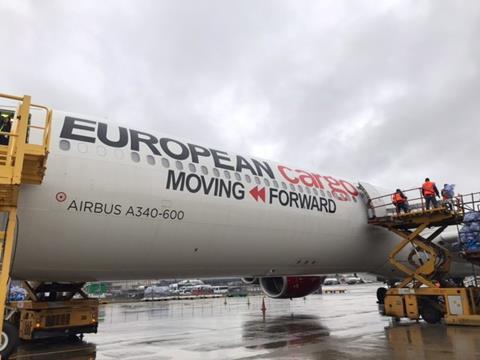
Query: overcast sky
[(386, 92)]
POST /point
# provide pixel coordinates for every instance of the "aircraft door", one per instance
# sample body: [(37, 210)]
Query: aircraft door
[(374, 194)]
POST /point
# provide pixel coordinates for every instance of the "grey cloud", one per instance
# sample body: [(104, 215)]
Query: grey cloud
[(386, 94)]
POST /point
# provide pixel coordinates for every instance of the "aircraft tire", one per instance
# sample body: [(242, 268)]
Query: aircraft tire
[(8, 340), (430, 313), (381, 293)]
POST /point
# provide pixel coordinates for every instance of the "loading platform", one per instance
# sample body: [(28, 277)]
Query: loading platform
[(25, 130), (428, 289)]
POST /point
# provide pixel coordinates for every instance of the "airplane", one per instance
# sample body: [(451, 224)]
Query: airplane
[(118, 203), (121, 203)]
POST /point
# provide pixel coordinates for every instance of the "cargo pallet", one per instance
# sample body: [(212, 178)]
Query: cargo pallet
[(23, 159), (427, 291)]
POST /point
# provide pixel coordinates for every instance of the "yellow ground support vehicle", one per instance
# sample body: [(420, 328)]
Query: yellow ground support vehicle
[(51, 308), (56, 314), (427, 291)]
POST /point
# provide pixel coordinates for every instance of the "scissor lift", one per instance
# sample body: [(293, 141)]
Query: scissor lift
[(24, 144), (21, 162), (427, 290)]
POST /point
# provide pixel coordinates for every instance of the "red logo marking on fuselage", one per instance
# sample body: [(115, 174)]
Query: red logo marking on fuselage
[(258, 193), (61, 196), (341, 189)]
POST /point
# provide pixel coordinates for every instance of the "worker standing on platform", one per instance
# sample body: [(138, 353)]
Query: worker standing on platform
[(430, 193), (447, 195), (400, 201), (5, 125)]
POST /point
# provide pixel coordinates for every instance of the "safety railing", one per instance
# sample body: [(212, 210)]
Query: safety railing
[(462, 203), (44, 128), (415, 201), (468, 202), (469, 231)]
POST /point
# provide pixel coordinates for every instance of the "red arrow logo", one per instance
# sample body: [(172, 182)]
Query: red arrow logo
[(258, 193)]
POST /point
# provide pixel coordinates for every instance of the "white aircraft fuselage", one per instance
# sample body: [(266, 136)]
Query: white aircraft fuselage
[(118, 203)]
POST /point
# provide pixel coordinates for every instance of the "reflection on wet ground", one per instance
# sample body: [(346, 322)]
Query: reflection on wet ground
[(336, 326), (422, 341), (61, 349), (282, 331)]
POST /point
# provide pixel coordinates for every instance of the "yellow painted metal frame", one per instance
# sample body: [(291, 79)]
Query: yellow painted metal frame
[(21, 157), (404, 300), (418, 288), (409, 226), (423, 273), (20, 162), (7, 259), (74, 313)]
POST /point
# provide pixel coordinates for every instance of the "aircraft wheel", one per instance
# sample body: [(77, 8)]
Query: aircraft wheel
[(73, 337), (381, 293), (430, 313), (8, 340)]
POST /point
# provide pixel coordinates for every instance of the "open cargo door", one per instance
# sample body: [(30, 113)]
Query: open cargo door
[(374, 194)]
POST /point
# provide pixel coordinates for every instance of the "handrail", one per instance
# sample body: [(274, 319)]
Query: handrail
[(388, 197), (36, 127), (460, 202), (404, 191), (20, 98), (11, 97), (47, 121)]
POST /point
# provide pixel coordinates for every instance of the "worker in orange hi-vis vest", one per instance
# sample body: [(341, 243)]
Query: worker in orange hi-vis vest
[(400, 201), (430, 193)]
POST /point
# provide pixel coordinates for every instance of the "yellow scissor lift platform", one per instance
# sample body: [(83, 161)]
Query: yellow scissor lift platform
[(426, 291), (24, 144)]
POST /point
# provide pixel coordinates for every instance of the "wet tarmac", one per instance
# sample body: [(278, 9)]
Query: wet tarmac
[(333, 326)]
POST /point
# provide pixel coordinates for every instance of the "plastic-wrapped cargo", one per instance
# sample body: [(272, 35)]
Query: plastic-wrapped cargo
[(450, 189), (470, 232), (472, 217), (17, 293)]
